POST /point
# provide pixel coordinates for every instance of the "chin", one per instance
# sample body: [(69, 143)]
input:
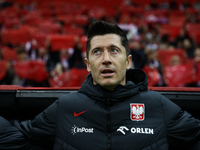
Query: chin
[(109, 86)]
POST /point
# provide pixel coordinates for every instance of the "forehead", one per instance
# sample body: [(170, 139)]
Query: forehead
[(105, 40)]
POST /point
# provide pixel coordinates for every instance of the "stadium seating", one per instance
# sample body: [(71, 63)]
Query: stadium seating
[(9, 54), (170, 30), (41, 39), (164, 55), (65, 23), (59, 42), (15, 36), (72, 78), (179, 75), (32, 70)]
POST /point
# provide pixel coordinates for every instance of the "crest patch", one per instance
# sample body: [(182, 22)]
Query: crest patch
[(137, 112)]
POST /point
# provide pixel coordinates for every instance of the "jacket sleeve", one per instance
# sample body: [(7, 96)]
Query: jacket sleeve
[(183, 130), (12, 138), (41, 130)]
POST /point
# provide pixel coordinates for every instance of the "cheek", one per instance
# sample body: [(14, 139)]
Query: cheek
[(122, 64), (93, 68), (122, 68)]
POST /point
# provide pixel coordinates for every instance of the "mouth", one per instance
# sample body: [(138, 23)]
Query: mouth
[(107, 72)]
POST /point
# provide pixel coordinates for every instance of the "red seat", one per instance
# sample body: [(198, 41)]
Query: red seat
[(3, 69), (49, 27), (73, 31), (73, 8), (59, 42), (43, 5), (179, 75), (107, 3), (9, 54), (58, 3), (177, 21), (46, 12), (157, 13), (68, 79), (32, 70), (177, 13), (59, 11), (23, 2), (143, 2), (165, 55), (97, 13), (4, 37), (81, 20), (191, 11), (21, 69), (11, 12), (125, 18), (83, 75), (83, 41), (11, 23), (132, 10), (19, 36), (29, 28), (67, 19), (198, 71), (192, 26), (37, 71), (41, 39), (152, 74), (110, 12), (170, 30), (33, 18), (196, 36)]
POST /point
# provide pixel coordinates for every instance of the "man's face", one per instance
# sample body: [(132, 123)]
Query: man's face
[(107, 61)]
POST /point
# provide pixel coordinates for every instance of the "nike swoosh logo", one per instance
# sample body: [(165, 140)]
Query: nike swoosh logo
[(77, 114)]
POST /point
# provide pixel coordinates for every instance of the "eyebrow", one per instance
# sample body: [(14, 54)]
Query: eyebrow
[(110, 46), (114, 46)]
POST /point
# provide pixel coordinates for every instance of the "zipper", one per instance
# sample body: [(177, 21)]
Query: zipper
[(108, 125)]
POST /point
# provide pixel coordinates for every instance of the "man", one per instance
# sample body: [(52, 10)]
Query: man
[(113, 108)]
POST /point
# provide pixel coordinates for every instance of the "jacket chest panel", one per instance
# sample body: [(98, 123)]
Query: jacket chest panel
[(136, 124), (80, 124), (110, 124)]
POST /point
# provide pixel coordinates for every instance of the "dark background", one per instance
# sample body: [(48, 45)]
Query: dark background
[(25, 103)]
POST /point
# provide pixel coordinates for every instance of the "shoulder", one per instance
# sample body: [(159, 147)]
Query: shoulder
[(157, 99), (154, 97), (73, 97), (151, 94)]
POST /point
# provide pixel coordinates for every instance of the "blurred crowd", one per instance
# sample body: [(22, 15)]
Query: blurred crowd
[(43, 43)]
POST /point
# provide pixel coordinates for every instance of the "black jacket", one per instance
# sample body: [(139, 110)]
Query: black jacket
[(12, 138), (128, 118)]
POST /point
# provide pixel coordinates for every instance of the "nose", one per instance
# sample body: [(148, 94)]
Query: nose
[(106, 58)]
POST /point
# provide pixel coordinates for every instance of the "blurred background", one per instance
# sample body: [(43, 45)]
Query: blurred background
[(43, 42)]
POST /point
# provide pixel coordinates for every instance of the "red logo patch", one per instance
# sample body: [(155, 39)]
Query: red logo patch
[(137, 112), (77, 114)]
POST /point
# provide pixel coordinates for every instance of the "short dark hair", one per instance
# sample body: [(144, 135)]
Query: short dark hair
[(101, 28)]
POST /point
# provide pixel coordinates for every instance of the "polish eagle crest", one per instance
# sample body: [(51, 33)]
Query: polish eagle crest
[(137, 112)]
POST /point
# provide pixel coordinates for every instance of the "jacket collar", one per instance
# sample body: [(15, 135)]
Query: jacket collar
[(136, 82)]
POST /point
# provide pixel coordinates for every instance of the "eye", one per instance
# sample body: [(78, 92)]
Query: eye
[(114, 50), (96, 51)]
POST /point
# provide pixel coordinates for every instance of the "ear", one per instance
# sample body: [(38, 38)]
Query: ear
[(128, 62), (87, 64)]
